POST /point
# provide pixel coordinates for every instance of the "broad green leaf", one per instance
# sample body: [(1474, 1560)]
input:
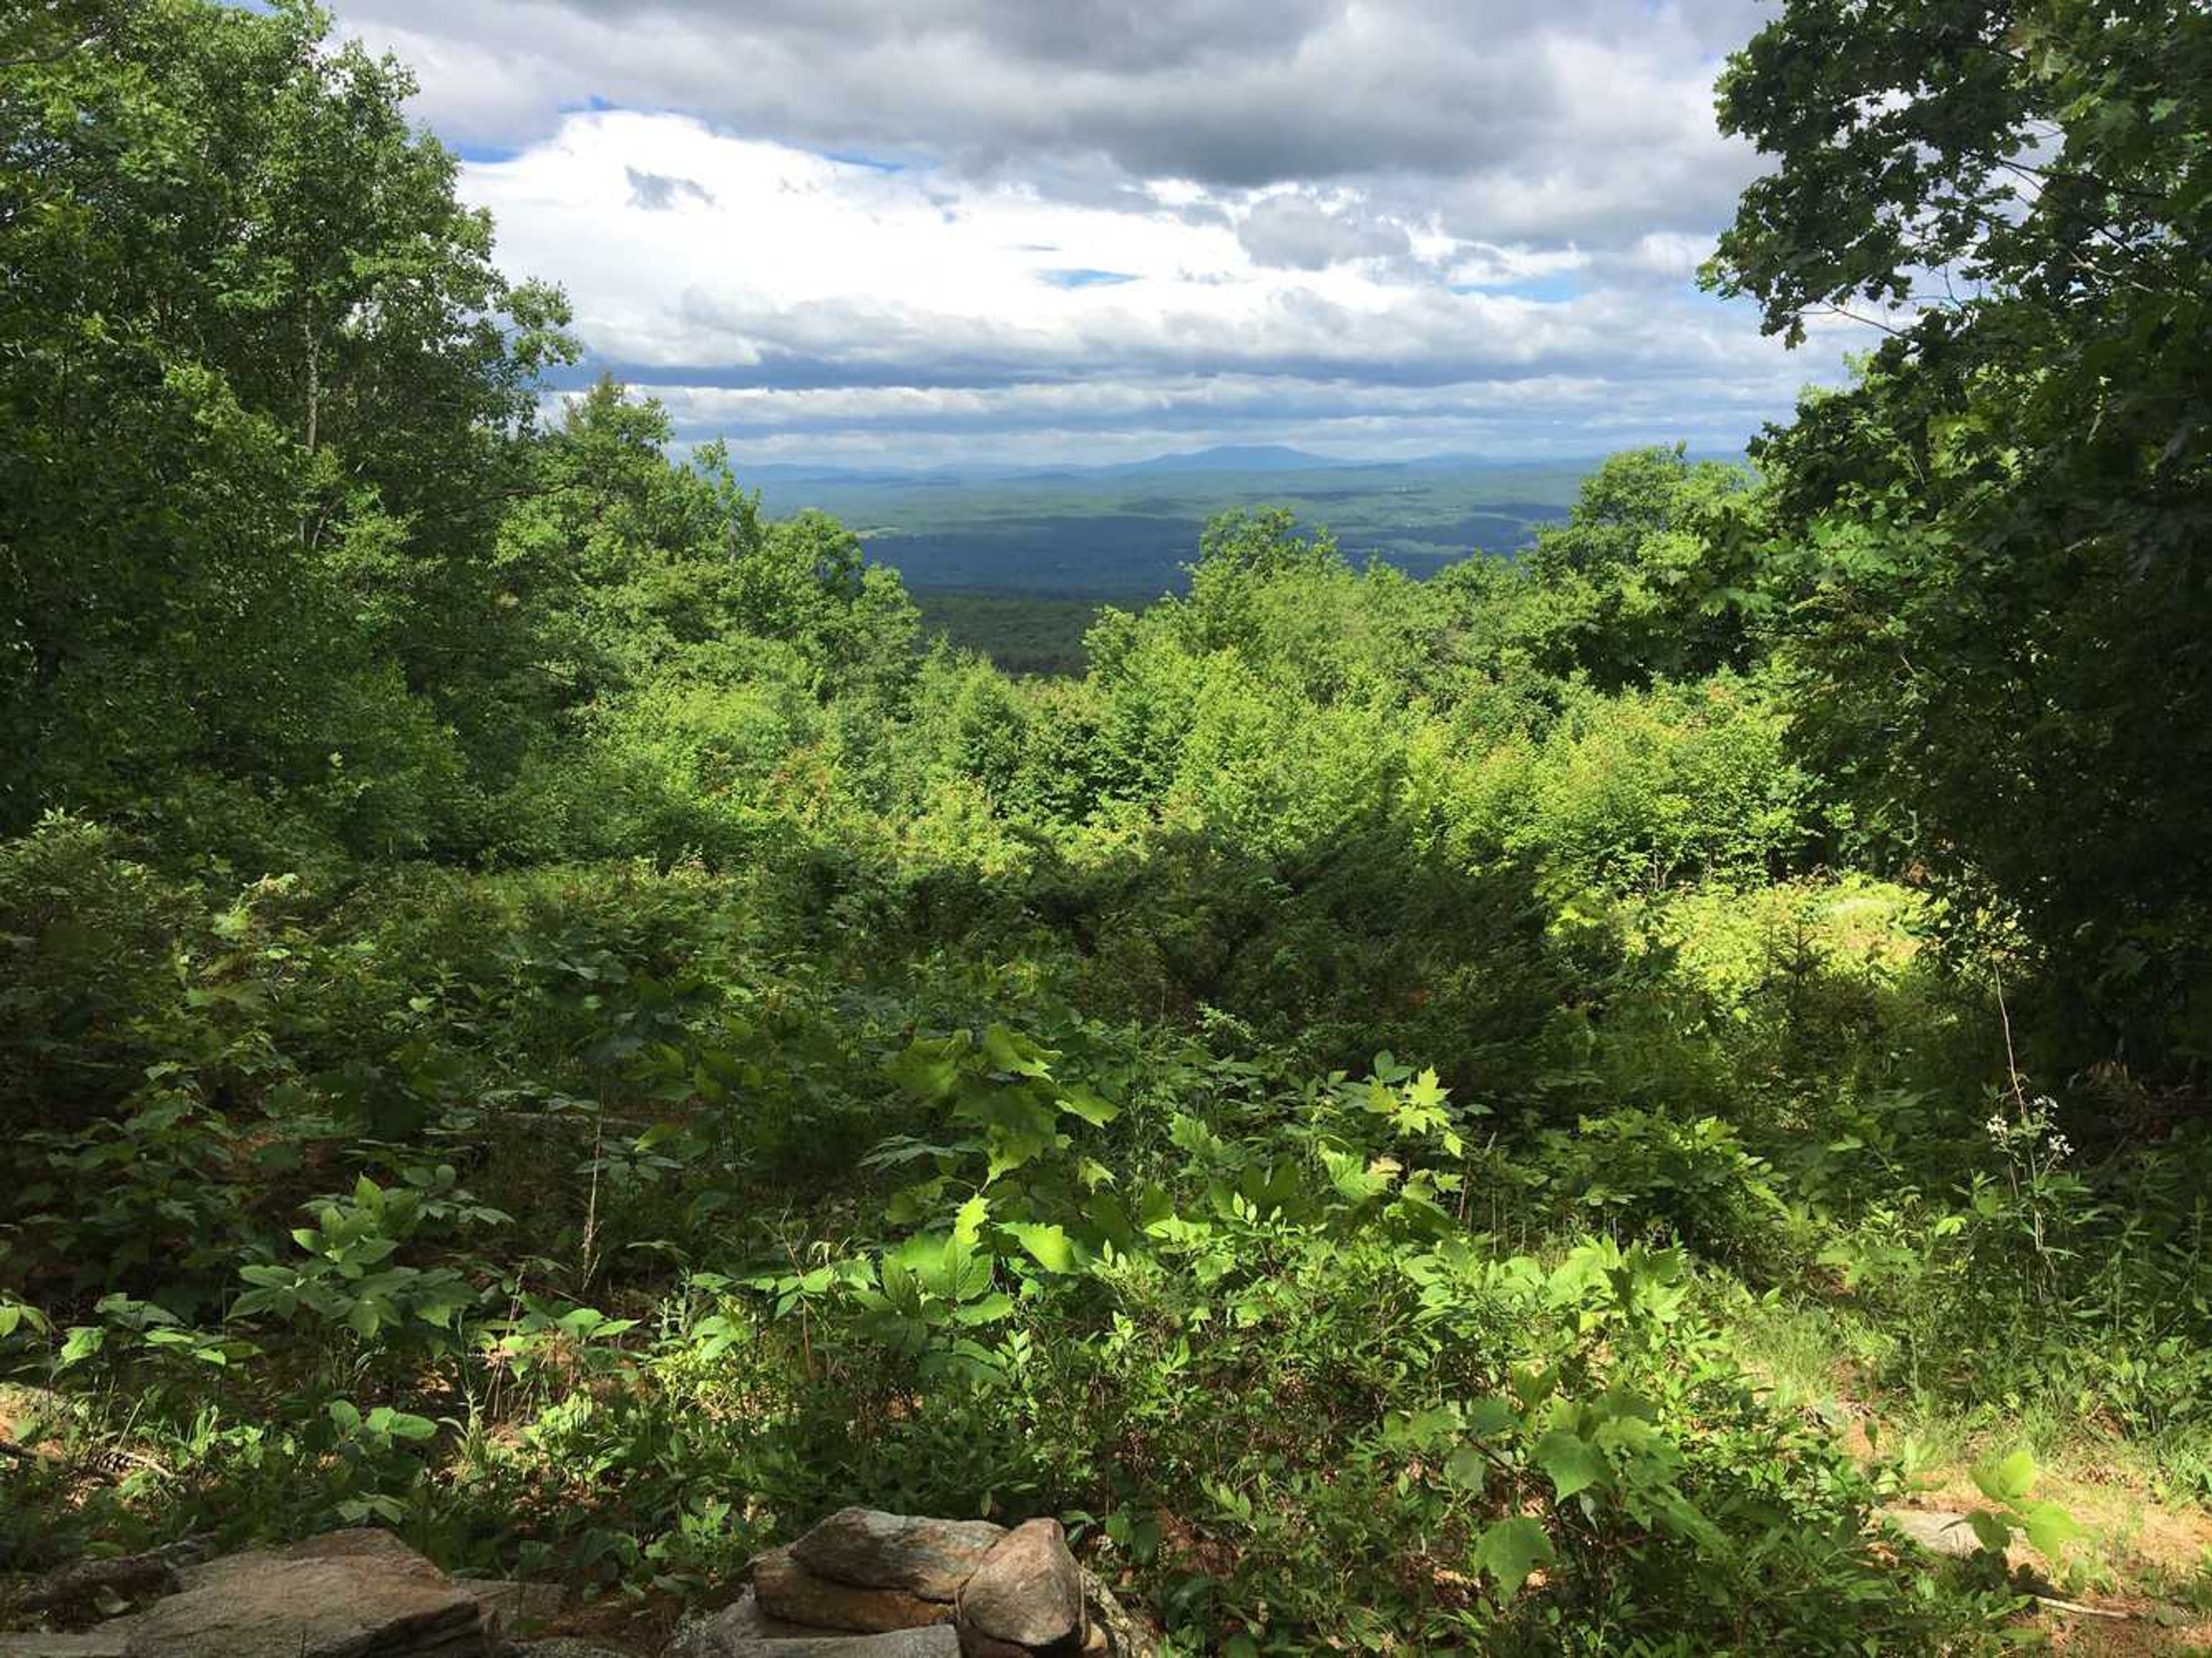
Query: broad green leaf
[(1049, 1245), (2007, 1479), (1490, 1416), (1510, 1549), (1083, 1103), (1573, 1463), (1994, 1531), (929, 1070), (2048, 1526), (1005, 1051), (1467, 1468)]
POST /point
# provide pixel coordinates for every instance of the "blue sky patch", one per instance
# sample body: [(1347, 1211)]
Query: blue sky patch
[(1086, 278)]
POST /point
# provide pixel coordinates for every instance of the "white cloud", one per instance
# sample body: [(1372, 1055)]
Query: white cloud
[(1073, 228)]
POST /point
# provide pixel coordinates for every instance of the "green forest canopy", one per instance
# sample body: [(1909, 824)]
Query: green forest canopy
[(1417, 1112)]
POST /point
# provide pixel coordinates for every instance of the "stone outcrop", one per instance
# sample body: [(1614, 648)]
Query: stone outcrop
[(862, 1584), (359, 1594), (863, 1577), (351, 1595)]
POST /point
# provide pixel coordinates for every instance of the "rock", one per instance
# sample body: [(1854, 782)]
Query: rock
[(1028, 1592), (928, 1557), (507, 1607), (1121, 1636), (363, 1547), (938, 1641), (350, 1594), (82, 1583), (710, 1634), (108, 1642), (562, 1646), (1936, 1530), (787, 1590)]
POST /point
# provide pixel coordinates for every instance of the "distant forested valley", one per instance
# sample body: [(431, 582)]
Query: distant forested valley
[(1598, 1059), (1016, 562)]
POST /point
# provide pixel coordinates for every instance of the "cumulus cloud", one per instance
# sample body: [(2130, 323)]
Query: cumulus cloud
[(1067, 228), (657, 192), (1293, 229)]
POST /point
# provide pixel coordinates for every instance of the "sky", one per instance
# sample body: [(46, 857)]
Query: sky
[(921, 232)]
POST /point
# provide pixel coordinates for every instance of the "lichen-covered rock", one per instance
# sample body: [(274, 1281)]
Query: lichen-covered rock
[(928, 1557), (349, 1594), (562, 1646), (1028, 1592), (1112, 1630), (787, 1590)]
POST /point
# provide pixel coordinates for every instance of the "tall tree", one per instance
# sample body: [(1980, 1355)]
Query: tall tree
[(260, 381), (1998, 552)]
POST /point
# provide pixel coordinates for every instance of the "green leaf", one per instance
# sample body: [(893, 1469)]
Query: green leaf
[(1573, 1463), (1993, 1531), (2049, 1526), (1083, 1103), (1510, 1549), (1005, 1051), (1467, 1468), (989, 1310), (2008, 1479), (1049, 1245), (968, 1224), (1489, 1417), (927, 1069)]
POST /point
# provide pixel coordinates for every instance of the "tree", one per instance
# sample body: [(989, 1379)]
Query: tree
[(259, 382), (1626, 590), (1994, 546)]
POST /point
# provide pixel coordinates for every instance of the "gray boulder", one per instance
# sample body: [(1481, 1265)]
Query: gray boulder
[(1936, 1530), (928, 1557)]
